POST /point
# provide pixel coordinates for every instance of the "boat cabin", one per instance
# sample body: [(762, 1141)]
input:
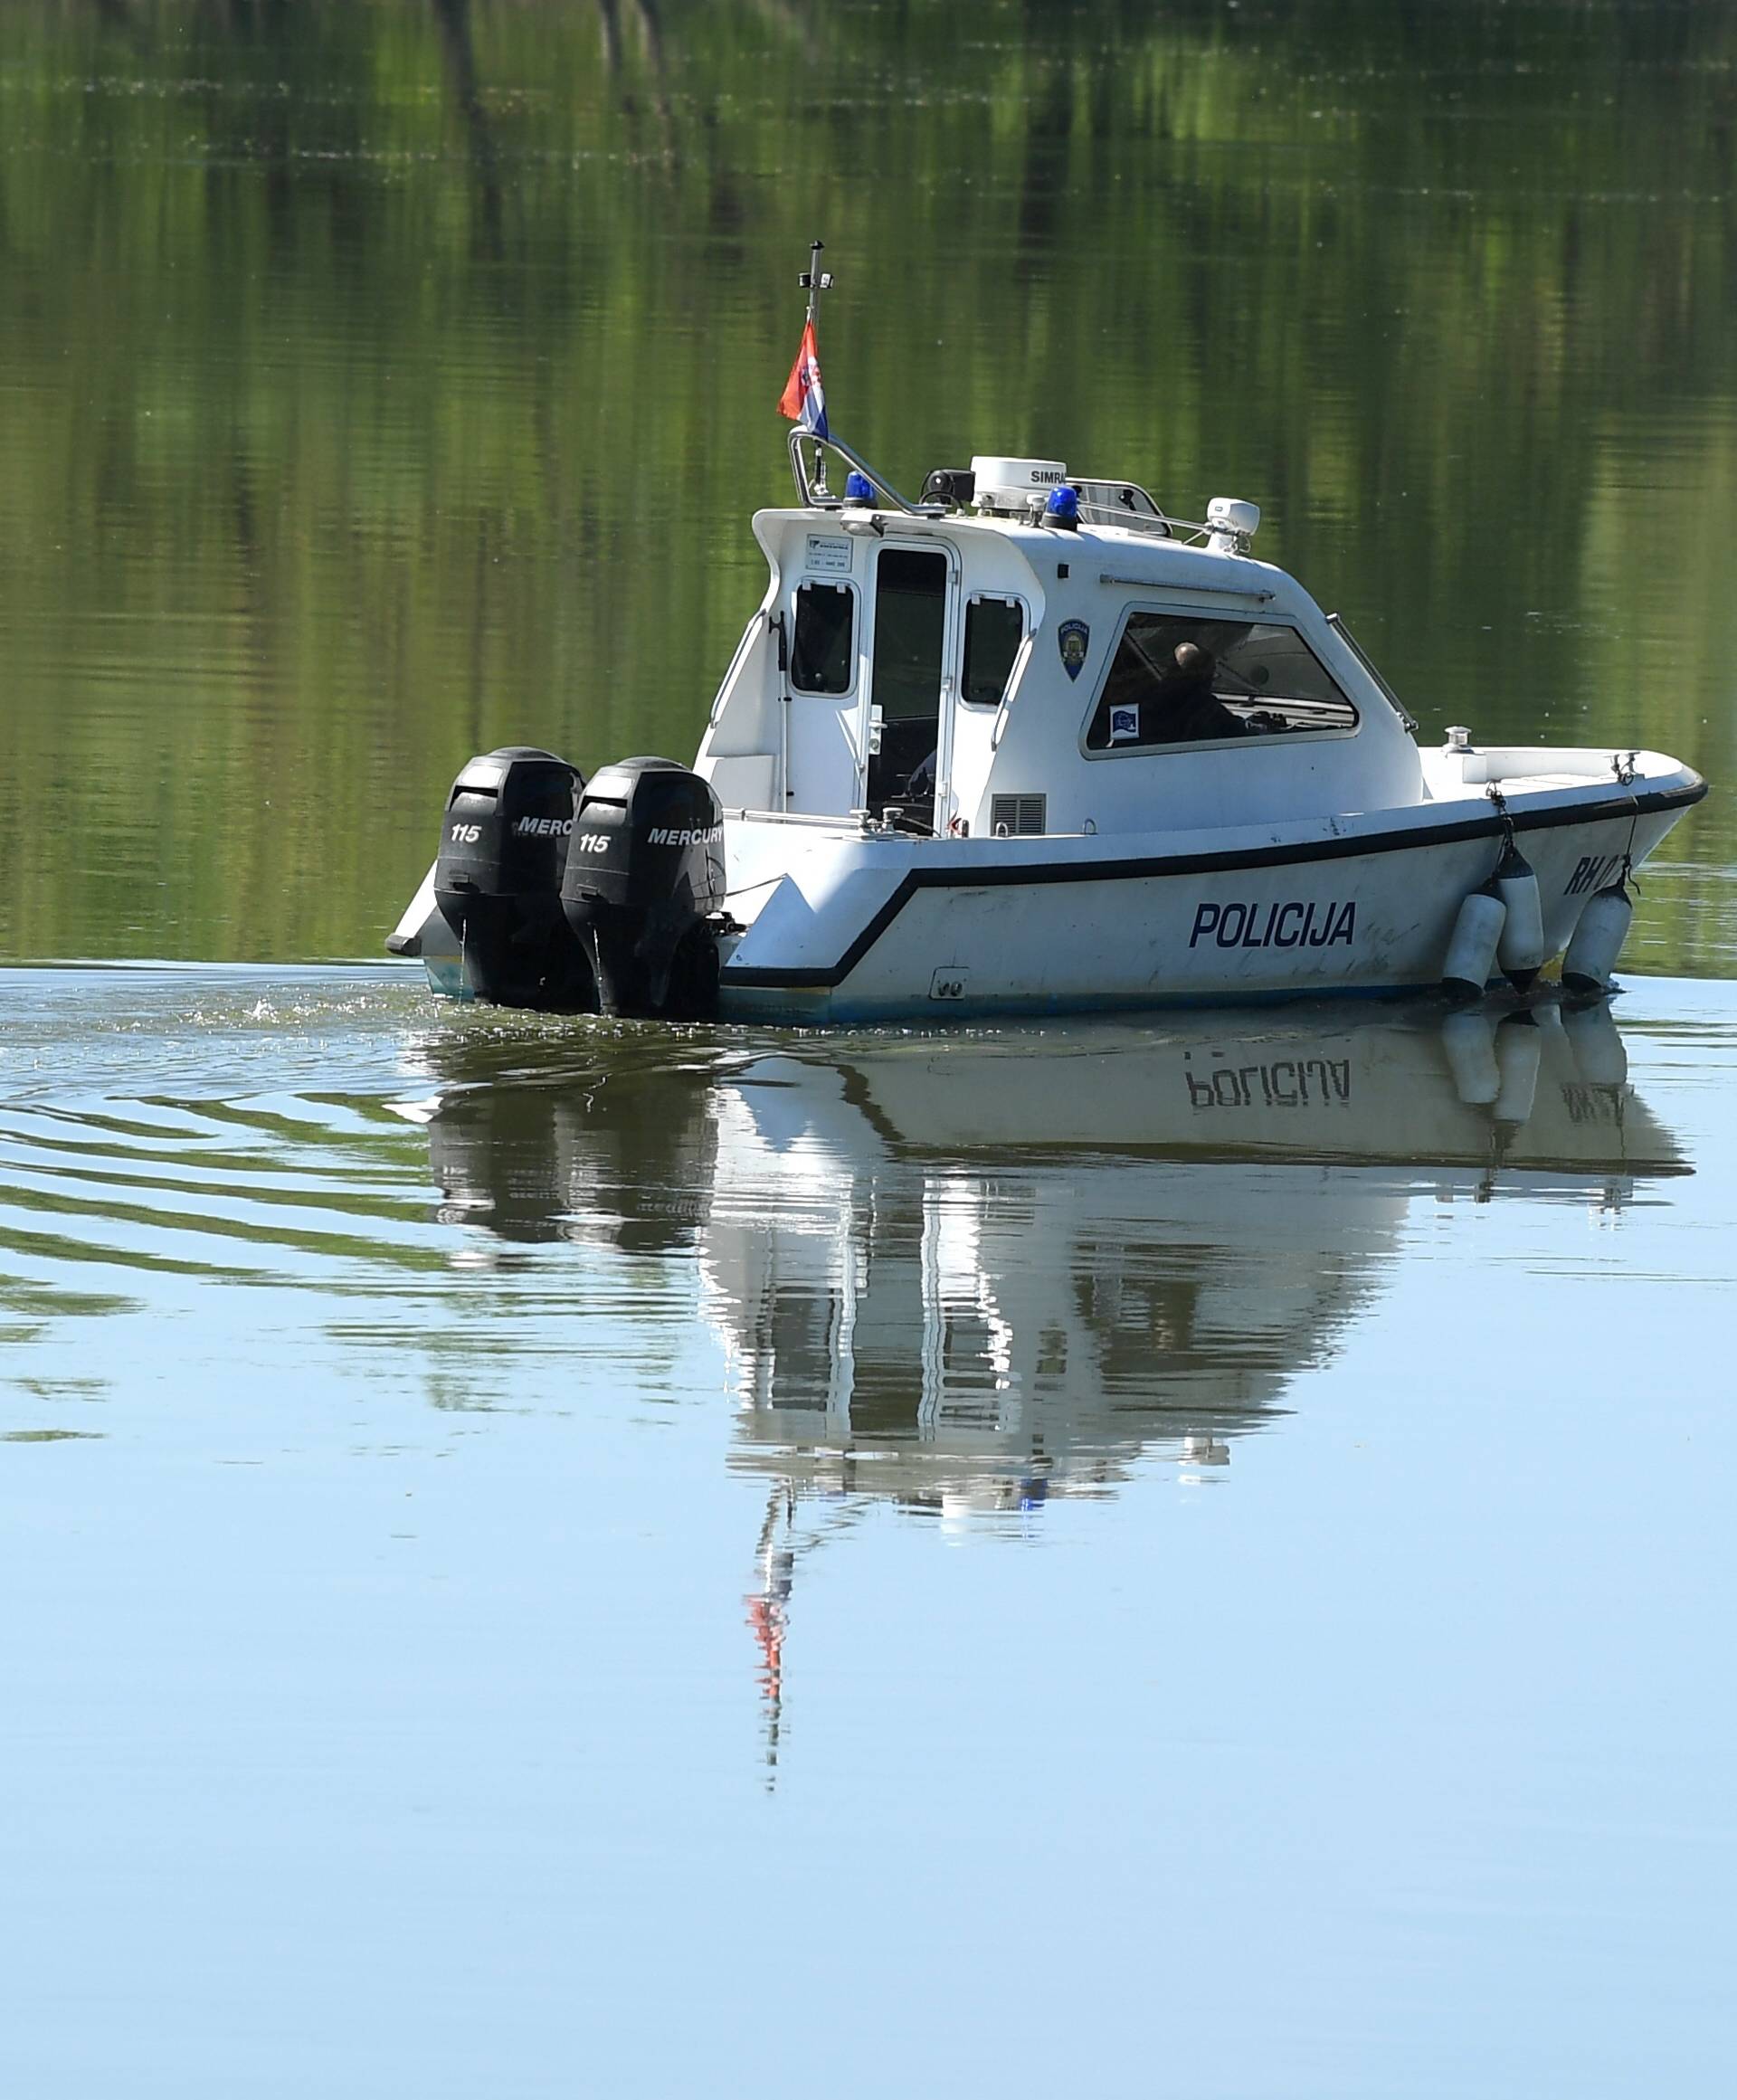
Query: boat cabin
[(1029, 652)]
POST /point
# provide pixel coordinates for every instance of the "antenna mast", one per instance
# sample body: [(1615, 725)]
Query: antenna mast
[(814, 280)]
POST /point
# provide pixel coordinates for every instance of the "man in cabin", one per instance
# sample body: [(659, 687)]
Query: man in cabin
[(1184, 708)]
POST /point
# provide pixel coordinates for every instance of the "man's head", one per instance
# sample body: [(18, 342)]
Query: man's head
[(1194, 662)]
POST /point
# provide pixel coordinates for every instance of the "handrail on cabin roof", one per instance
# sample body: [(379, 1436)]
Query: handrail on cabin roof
[(804, 487)]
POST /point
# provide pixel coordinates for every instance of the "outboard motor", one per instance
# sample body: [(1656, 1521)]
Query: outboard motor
[(645, 870), (498, 881)]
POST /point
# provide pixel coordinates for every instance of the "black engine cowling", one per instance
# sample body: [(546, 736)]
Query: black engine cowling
[(497, 880), (583, 898), (644, 872)]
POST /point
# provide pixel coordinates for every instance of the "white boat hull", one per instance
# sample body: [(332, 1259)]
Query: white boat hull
[(880, 928)]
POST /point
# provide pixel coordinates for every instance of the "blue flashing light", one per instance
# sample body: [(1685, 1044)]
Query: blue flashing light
[(1063, 507), (858, 488)]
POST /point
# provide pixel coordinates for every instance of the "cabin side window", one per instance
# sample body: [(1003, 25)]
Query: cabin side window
[(823, 653), (1179, 679), (994, 629)]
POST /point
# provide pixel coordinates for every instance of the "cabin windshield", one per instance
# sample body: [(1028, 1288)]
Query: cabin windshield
[(1180, 678)]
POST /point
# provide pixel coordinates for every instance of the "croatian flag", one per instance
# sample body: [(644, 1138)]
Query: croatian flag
[(804, 400)]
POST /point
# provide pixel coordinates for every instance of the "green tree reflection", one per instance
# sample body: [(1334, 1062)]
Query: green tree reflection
[(385, 381)]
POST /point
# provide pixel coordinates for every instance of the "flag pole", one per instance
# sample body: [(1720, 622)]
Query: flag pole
[(814, 280)]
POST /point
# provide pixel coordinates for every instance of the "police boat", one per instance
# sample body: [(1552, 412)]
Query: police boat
[(1028, 744)]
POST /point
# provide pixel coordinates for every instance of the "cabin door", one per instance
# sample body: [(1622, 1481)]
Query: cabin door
[(907, 732)]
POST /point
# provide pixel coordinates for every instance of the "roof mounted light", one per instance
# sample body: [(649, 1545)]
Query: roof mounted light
[(1062, 510), (1234, 524)]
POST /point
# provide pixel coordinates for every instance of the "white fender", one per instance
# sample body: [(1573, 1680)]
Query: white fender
[(1519, 1051), (1468, 1043), (1521, 949), (1598, 941), (1470, 961), (1600, 1058)]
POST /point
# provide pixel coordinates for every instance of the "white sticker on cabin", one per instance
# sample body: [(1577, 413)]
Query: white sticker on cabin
[(829, 556)]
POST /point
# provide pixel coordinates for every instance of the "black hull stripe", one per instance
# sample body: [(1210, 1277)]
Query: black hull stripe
[(825, 977)]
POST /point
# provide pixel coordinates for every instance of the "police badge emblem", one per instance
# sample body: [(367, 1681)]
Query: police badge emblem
[(1073, 638)]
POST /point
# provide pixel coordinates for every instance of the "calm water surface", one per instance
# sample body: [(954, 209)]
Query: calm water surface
[(546, 1559)]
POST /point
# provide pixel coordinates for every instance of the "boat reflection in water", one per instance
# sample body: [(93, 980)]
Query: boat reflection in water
[(971, 1273), (979, 1271)]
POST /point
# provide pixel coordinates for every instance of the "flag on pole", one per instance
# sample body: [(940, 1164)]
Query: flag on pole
[(804, 400)]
